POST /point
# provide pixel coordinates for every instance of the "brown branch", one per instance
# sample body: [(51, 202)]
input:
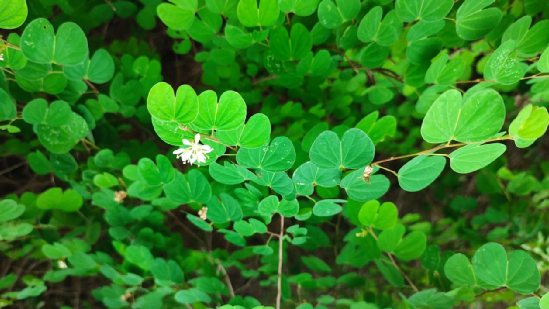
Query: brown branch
[(92, 86), (505, 137)]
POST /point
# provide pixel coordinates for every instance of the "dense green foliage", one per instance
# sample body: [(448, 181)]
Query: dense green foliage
[(286, 153)]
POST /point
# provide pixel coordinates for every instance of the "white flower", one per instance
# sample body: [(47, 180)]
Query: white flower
[(1, 57), (202, 213), (61, 264), (195, 152)]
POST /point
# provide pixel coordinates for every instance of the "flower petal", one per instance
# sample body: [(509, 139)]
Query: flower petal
[(197, 138)]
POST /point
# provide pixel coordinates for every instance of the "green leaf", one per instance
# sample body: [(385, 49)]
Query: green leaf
[(105, 180), (279, 156), (327, 208), (490, 264), (427, 10), (431, 299), (140, 256), (9, 210), (223, 209), (332, 16), (474, 157), (408, 248), (254, 134), (101, 67), (61, 139), (271, 205), (149, 172), (478, 119), (420, 172), (503, 66), (13, 58), (309, 175), (179, 16), (544, 301), (228, 114), (293, 47), (69, 47), (230, 174), (13, 13), (530, 124), (522, 273), (381, 218), (543, 63), (250, 15), (39, 163), (55, 198), (8, 110), (167, 272), (191, 296), (364, 191), (194, 190), (163, 104), (459, 270), (56, 251), (299, 7), (280, 182), (355, 150), (369, 25), (473, 21), (59, 113)]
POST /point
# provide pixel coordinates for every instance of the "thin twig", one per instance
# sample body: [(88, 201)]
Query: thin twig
[(9, 169), (92, 86), (184, 226), (426, 152), (280, 256), (227, 279)]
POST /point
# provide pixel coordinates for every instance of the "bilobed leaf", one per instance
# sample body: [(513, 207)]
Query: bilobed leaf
[(473, 21), (13, 13), (431, 299), (474, 157), (478, 119), (223, 209), (332, 15), (299, 7), (293, 47), (309, 175), (68, 47), (8, 110), (369, 25), (164, 105), (428, 10), (503, 66), (459, 270), (327, 208), (9, 210), (177, 16), (543, 62), (230, 174), (250, 15), (280, 182), (363, 191), (530, 124), (194, 188), (255, 133), (140, 256), (228, 114), (420, 172), (279, 156), (490, 264), (61, 139), (380, 217), (353, 151), (522, 273), (271, 205)]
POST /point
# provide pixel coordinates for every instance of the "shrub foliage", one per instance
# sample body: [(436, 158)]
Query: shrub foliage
[(305, 154)]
